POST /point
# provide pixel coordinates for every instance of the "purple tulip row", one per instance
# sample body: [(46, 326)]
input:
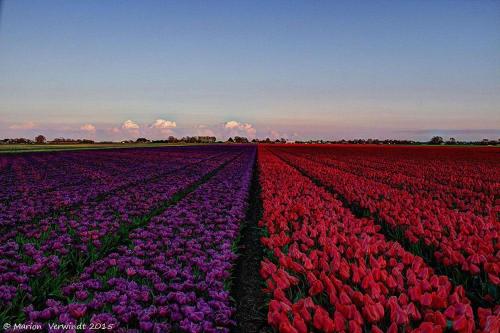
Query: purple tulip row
[(28, 175), (55, 248), (36, 185), (173, 276), (120, 202), (35, 173)]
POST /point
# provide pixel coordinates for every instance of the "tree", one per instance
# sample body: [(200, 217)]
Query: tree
[(486, 142), (40, 139), (451, 141), (230, 140), (436, 140), (142, 140), (240, 139)]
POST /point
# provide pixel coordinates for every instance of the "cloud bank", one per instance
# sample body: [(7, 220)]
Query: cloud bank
[(162, 128), (23, 126), (234, 128), (163, 124), (130, 125), (88, 128)]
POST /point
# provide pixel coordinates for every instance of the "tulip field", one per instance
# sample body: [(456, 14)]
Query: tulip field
[(381, 238), (349, 238)]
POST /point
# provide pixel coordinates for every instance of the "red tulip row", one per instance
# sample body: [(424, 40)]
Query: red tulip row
[(475, 169), (464, 199), (329, 271), (463, 240)]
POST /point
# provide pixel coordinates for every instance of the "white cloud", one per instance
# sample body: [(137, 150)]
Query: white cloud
[(232, 124), (203, 130), (129, 124), (88, 128), (163, 124), (23, 126), (241, 129)]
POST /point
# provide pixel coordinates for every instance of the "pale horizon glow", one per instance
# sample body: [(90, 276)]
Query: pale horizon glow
[(114, 70)]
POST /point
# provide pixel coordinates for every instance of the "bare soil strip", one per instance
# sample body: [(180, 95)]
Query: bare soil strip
[(251, 302)]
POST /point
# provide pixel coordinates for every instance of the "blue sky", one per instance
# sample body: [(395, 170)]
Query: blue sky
[(299, 69)]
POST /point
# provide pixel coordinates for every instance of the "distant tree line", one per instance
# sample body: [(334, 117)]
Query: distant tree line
[(70, 141), (436, 140), (186, 139), (239, 139), (268, 141), (362, 142), (40, 139)]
